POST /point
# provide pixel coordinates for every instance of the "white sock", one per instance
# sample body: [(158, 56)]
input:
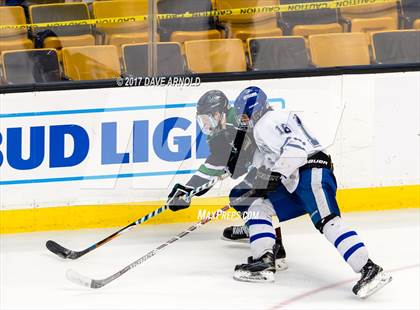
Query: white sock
[(261, 232), (347, 242)]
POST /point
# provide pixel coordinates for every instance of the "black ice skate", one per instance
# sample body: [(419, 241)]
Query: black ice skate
[(373, 279), (236, 233), (260, 270)]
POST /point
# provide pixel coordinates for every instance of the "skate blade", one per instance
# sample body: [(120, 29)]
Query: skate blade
[(281, 264), (256, 277), (375, 285), (244, 240)]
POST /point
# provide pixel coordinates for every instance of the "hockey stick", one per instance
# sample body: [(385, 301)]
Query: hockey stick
[(63, 252), (79, 279)]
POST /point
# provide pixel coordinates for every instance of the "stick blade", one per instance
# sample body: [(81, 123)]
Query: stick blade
[(77, 278), (57, 249)]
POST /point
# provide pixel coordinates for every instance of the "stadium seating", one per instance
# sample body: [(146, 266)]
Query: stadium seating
[(396, 47), (181, 30), (31, 66), (349, 36), (376, 16), (339, 49), (220, 55), (249, 25), (311, 22), (13, 39), (126, 32), (169, 59), (278, 53), (411, 13), (62, 36), (91, 62)]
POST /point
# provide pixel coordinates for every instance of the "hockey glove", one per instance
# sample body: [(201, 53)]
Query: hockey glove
[(265, 180), (177, 200)]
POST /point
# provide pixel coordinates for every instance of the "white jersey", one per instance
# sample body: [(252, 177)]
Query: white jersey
[(284, 145)]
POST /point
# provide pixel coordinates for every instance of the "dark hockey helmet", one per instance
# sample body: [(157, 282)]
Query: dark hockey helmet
[(211, 110), (212, 101), (250, 105)]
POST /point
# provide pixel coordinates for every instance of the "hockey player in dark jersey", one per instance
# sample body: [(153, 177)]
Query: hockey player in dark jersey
[(231, 149)]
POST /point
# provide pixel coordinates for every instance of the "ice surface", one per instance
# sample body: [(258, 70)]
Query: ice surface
[(196, 271)]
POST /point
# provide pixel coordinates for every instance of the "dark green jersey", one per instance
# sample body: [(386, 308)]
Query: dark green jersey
[(230, 150)]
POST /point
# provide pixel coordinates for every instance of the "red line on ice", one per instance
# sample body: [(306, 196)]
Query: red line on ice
[(327, 287)]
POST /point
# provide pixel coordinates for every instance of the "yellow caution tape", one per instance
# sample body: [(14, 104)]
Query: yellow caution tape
[(296, 7)]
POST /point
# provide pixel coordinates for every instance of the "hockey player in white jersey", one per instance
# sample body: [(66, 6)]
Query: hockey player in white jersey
[(291, 172)]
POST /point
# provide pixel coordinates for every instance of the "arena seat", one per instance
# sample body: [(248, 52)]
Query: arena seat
[(31, 66), (13, 39), (27, 3), (339, 49), (369, 25), (249, 25), (278, 53), (411, 13), (396, 47), (374, 12), (219, 55), (305, 23), (126, 32), (62, 36), (169, 59), (91, 62), (187, 29)]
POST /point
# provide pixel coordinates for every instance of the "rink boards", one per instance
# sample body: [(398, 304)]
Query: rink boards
[(104, 157)]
